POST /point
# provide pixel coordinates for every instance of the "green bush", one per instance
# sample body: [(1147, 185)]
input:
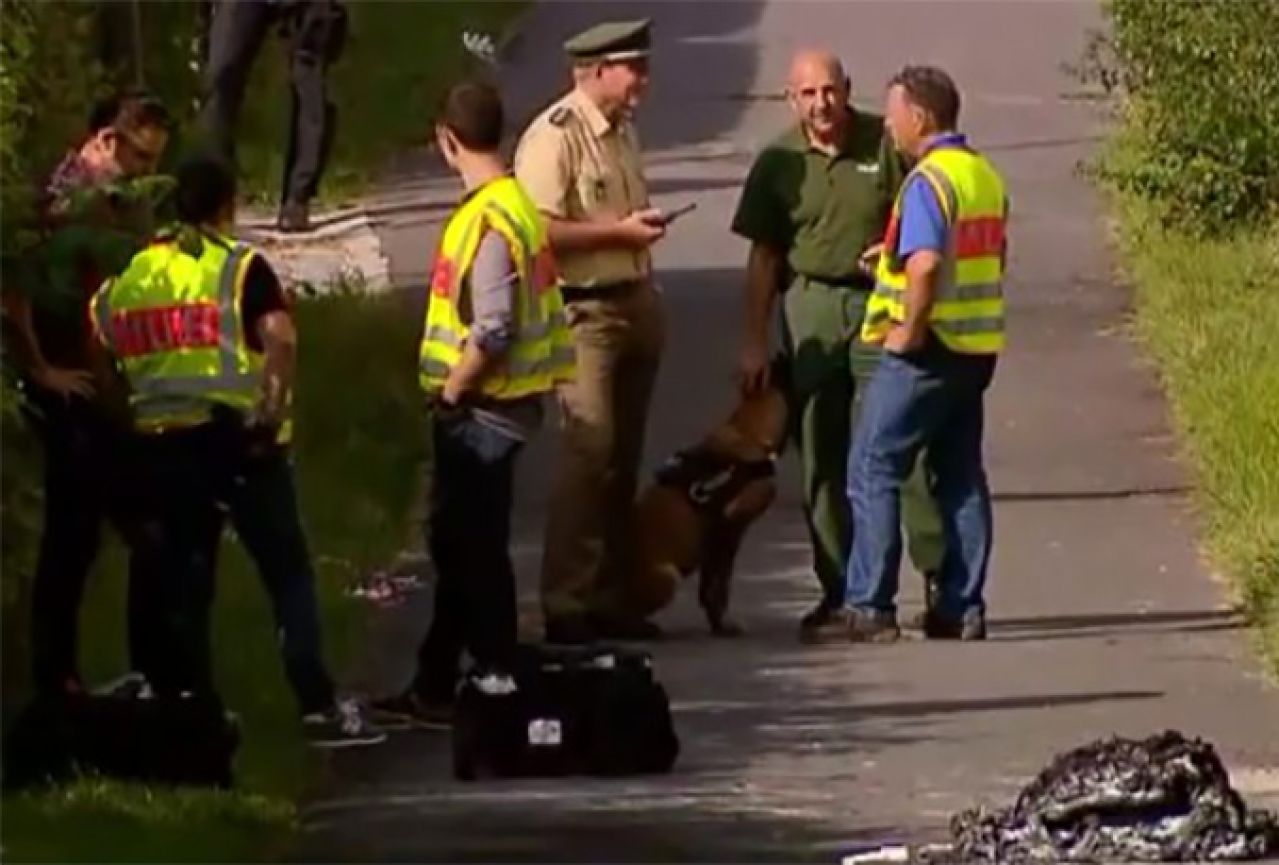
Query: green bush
[(1200, 87)]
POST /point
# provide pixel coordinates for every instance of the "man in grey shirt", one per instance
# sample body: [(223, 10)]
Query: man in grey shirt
[(492, 316), (494, 283)]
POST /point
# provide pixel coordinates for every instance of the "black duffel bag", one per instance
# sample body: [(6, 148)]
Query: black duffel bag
[(159, 740), (593, 710)]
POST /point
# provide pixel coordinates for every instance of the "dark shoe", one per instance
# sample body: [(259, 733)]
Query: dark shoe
[(411, 710), (569, 631), (932, 593), (831, 627), (614, 626), (939, 627), (343, 726), (817, 616), (873, 626), (294, 216)]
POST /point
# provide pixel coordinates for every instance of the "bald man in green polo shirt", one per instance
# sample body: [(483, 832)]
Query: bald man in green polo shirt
[(814, 208)]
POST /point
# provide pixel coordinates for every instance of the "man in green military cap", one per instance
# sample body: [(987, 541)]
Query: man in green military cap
[(611, 41), (815, 205), (580, 162), (99, 206)]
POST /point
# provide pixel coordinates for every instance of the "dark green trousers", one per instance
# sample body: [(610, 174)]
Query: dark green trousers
[(830, 368)]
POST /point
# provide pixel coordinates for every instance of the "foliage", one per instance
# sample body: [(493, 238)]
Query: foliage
[(1200, 88)]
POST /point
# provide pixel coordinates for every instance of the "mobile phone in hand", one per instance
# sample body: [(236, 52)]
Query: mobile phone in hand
[(671, 216)]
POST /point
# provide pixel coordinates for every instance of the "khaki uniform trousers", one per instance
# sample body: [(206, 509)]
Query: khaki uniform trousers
[(619, 337)]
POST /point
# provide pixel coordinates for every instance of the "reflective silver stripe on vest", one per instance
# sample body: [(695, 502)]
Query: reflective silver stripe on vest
[(535, 332), (102, 312), (950, 291), (228, 339), (559, 356), (961, 326)]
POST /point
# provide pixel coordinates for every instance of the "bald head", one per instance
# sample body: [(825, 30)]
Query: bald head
[(817, 90), (814, 63)]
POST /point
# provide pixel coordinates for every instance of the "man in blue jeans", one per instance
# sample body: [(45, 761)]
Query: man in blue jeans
[(494, 343), (938, 310)]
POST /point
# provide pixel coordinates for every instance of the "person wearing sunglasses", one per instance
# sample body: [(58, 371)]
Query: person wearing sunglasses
[(95, 210)]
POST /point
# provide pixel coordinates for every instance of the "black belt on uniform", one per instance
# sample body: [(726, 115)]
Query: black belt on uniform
[(857, 281), (572, 293)]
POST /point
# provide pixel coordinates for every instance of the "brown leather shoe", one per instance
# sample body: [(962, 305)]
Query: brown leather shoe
[(873, 626), (831, 627)]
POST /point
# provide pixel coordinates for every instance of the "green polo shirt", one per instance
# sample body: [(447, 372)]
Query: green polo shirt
[(822, 210)]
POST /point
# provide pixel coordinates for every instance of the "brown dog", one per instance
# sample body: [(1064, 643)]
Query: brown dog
[(704, 498)]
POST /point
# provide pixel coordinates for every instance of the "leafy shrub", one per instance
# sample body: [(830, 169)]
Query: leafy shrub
[(1200, 88)]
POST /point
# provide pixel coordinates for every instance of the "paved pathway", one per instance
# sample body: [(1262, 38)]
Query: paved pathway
[(1104, 619)]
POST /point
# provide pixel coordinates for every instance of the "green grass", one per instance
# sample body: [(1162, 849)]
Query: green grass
[(401, 57), (1208, 313), (360, 439), (102, 821), (360, 444)]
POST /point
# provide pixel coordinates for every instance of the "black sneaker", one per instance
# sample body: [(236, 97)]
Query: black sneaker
[(971, 627), (343, 726), (411, 710), (873, 626)]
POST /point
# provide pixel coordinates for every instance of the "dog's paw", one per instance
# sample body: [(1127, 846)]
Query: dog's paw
[(726, 628)]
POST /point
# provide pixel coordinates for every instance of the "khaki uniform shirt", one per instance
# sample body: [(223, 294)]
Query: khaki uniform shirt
[(578, 165)]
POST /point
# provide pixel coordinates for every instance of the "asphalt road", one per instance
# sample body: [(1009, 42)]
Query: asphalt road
[(1104, 619)]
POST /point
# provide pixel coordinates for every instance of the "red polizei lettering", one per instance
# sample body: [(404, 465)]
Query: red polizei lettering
[(138, 332), (980, 237)]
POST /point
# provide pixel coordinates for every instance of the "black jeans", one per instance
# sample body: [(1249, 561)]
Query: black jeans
[(211, 475), (236, 34), (88, 481), (471, 499)]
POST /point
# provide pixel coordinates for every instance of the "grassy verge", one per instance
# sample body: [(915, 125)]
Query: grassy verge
[(359, 437), (400, 58), (1208, 312)]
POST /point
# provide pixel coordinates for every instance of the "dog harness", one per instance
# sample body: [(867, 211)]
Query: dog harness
[(710, 481)]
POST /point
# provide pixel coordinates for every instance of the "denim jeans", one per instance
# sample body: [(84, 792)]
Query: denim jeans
[(470, 535), (931, 399)]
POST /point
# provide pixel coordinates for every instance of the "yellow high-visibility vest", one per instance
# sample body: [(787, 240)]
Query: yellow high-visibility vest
[(541, 354), (968, 311), (173, 321)]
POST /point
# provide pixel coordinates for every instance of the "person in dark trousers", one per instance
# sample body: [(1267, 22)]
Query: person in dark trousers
[(94, 211), (495, 342), (316, 33), (209, 353)]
